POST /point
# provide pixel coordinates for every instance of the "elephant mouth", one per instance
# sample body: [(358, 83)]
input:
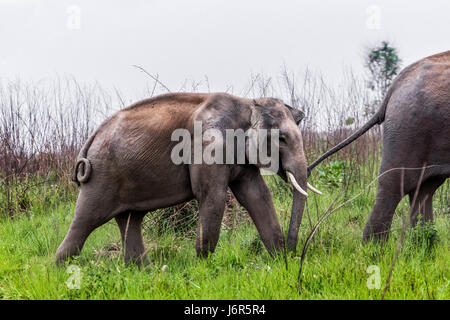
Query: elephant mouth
[(282, 172), (283, 175)]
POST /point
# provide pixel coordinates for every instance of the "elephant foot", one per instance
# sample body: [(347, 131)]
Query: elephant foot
[(377, 233), (65, 252), (140, 260)]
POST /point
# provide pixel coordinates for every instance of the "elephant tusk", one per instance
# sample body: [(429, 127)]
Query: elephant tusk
[(313, 189), (295, 184)]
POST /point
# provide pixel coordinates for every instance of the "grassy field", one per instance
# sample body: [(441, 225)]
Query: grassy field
[(42, 128), (335, 267)]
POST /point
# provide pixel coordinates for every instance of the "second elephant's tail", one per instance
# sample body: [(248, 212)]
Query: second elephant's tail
[(378, 118)]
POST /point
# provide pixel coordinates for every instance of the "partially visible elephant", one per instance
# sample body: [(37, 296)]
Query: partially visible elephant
[(126, 170), (416, 116)]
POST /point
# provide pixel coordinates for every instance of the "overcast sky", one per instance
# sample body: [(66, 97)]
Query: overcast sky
[(225, 40)]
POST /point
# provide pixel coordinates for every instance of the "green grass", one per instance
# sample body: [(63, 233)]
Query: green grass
[(335, 266)]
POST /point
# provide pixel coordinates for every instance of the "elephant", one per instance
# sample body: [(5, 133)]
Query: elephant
[(126, 169), (416, 143)]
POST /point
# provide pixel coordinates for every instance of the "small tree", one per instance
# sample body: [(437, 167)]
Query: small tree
[(383, 64)]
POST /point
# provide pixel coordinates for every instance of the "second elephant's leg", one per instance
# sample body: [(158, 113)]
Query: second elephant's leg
[(252, 193), (423, 204), (130, 225), (387, 199)]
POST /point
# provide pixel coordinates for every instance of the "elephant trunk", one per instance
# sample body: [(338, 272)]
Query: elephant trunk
[(298, 204)]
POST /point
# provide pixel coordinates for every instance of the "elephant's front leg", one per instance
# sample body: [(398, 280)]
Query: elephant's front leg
[(252, 192), (209, 185)]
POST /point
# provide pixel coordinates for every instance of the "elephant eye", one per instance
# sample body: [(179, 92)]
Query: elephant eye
[(282, 138)]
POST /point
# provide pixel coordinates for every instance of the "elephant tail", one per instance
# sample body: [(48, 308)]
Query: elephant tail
[(377, 118), (82, 171), (83, 167)]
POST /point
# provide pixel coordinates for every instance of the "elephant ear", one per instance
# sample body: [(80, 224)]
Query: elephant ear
[(297, 114), (261, 116)]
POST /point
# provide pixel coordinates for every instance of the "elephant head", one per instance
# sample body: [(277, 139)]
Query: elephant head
[(269, 113)]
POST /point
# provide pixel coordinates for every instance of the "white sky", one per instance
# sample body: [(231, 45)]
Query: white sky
[(225, 40)]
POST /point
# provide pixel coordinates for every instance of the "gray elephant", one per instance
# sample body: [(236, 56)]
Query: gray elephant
[(127, 168), (416, 117)]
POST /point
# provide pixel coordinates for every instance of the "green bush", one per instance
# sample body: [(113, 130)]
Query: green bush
[(332, 175)]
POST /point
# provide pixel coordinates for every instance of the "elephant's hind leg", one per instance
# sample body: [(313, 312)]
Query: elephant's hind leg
[(423, 204), (91, 211), (387, 199), (130, 225)]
